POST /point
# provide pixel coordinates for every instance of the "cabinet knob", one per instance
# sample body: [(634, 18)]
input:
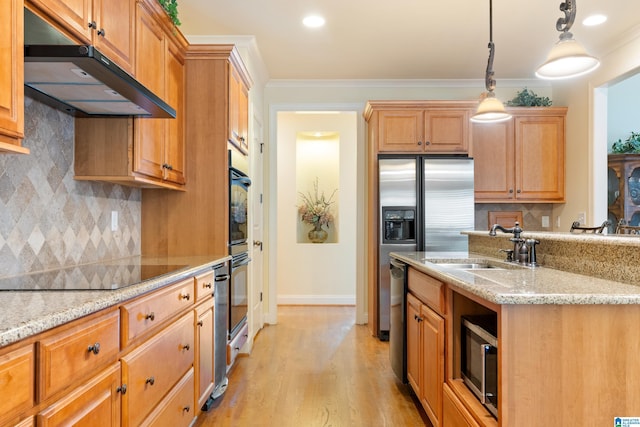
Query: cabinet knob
[(186, 347), (185, 296), (511, 191), (122, 389), (151, 316), (150, 381), (186, 409), (200, 323), (519, 191), (167, 166), (207, 285), (92, 24), (427, 143), (419, 142), (101, 32), (95, 349)]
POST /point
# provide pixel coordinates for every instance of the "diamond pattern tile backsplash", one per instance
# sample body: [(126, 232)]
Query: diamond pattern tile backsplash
[(47, 219)]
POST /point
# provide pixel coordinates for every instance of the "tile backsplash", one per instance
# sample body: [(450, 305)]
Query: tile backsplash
[(47, 219), (532, 214)]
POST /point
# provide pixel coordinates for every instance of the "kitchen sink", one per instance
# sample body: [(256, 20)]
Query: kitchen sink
[(469, 266)]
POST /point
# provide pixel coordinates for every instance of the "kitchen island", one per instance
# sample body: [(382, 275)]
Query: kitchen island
[(567, 342), (126, 341)]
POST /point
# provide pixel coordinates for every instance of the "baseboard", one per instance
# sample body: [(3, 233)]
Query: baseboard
[(316, 300)]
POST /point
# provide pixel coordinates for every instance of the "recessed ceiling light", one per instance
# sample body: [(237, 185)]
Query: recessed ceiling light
[(593, 20), (313, 21)]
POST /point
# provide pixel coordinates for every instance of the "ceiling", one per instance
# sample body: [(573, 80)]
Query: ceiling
[(405, 39)]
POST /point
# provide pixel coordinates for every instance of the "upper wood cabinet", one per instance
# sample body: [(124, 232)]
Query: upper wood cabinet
[(238, 111), (142, 152), (420, 126), (12, 77), (522, 159), (106, 24)]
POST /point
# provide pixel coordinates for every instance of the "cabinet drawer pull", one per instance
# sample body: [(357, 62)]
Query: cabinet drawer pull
[(122, 389), (151, 316), (185, 296), (95, 349), (186, 347), (150, 381), (207, 285)]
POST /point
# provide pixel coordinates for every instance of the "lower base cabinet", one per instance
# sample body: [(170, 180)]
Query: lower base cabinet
[(175, 410), (454, 413), (95, 404)]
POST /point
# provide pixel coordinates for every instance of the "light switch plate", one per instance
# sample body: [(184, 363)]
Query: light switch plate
[(545, 221), (114, 220)]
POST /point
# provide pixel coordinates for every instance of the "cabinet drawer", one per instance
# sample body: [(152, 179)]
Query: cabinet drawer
[(204, 286), (69, 355), (454, 414), (95, 404), (149, 312), (17, 378), (233, 348), (177, 409), (155, 367), (427, 289)]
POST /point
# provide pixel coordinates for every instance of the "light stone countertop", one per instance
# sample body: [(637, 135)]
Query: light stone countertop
[(26, 313), (523, 285)]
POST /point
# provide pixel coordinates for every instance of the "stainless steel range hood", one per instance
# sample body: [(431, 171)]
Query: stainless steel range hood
[(79, 80)]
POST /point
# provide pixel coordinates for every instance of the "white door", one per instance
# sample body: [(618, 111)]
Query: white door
[(257, 264)]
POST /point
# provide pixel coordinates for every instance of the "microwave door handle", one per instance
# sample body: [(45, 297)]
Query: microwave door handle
[(484, 348)]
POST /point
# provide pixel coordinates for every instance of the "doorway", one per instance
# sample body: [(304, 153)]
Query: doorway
[(318, 151)]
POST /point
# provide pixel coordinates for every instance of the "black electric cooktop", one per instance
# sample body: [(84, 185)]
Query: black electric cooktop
[(90, 277)]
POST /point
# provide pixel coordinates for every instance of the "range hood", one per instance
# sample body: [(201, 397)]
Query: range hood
[(80, 80)]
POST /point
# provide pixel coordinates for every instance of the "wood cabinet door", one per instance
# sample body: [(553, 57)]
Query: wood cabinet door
[(11, 76), (413, 342), (493, 152), (204, 355), (114, 33), (176, 409), (149, 140), (432, 364), (17, 379), (75, 15), (539, 146), (400, 131), (446, 131), (238, 110), (174, 169), (95, 404)]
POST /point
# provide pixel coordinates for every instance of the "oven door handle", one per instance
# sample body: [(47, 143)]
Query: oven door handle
[(222, 278), (241, 263), (483, 384)]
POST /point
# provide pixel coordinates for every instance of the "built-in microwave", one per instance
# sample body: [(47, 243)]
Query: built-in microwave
[(479, 358)]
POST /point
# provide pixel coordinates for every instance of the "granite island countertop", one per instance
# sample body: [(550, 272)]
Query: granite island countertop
[(55, 297), (515, 284)]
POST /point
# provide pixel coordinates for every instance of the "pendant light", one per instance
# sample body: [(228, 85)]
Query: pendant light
[(490, 108), (567, 58)]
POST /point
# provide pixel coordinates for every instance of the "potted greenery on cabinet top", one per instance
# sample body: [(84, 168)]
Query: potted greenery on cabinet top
[(171, 7), (629, 145), (528, 98)]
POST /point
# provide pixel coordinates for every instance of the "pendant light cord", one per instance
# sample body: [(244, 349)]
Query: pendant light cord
[(489, 81)]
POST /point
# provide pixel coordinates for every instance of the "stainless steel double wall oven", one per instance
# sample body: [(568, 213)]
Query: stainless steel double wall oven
[(239, 183)]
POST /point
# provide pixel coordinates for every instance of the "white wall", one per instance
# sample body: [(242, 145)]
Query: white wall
[(323, 273), (623, 110)]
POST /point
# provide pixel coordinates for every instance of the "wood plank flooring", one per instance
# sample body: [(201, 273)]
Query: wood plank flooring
[(316, 367)]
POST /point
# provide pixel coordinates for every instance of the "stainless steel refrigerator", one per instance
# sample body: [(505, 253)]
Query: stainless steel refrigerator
[(424, 204)]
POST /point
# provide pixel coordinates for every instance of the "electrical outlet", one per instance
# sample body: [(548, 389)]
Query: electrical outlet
[(558, 222), (114, 220), (545, 221), (582, 218)]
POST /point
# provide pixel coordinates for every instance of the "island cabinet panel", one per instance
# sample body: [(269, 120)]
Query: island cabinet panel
[(12, 77), (76, 352), (522, 159), (155, 367), (205, 351), (149, 313), (17, 379), (572, 364), (95, 403), (106, 24)]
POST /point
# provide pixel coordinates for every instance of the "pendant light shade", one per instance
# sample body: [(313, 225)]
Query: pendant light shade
[(567, 58), (490, 108)]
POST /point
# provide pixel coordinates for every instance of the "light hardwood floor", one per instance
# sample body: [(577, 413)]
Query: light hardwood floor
[(316, 367)]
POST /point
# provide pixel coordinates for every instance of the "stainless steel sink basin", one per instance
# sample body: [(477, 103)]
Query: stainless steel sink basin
[(469, 266)]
